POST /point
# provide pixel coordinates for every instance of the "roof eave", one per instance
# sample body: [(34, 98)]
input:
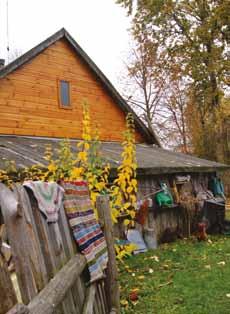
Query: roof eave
[(172, 170), (151, 138), (14, 65)]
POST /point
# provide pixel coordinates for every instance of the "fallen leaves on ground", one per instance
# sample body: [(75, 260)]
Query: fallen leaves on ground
[(155, 258), (133, 296), (141, 277), (165, 284), (124, 302), (207, 266), (167, 280)]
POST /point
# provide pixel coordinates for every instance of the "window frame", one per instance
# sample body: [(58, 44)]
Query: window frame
[(69, 107)]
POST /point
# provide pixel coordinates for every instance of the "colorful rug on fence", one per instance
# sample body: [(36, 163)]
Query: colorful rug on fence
[(86, 229), (49, 196)]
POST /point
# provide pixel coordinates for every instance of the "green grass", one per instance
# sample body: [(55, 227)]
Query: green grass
[(187, 279)]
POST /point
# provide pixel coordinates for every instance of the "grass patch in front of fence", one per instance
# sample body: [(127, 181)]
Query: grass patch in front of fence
[(186, 277)]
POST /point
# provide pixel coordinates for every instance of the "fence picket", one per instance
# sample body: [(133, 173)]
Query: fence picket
[(7, 296), (49, 273), (58, 258), (69, 246), (22, 239)]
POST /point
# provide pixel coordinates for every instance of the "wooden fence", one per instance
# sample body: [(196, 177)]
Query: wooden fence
[(50, 272)]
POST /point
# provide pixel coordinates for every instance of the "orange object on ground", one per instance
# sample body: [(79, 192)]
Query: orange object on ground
[(133, 296), (202, 235)]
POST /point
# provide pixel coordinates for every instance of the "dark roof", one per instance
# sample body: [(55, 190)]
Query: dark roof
[(27, 151), (149, 136)]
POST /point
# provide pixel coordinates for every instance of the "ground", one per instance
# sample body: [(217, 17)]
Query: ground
[(186, 277)]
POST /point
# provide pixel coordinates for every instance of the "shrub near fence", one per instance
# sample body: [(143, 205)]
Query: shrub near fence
[(49, 270)]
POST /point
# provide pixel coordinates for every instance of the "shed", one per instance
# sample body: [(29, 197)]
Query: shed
[(187, 174)]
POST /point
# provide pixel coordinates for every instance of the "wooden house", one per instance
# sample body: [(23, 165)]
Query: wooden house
[(41, 95)]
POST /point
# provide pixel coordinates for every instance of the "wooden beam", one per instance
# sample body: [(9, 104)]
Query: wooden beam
[(54, 292), (111, 281), (89, 301), (19, 309)]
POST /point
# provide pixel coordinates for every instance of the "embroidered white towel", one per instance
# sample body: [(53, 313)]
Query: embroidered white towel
[(49, 196)]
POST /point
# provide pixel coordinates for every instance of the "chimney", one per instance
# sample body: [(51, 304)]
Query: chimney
[(2, 63)]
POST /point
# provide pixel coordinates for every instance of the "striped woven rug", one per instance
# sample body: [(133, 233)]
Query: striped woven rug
[(86, 230)]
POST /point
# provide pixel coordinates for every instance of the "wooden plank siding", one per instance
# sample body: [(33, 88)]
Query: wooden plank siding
[(29, 102)]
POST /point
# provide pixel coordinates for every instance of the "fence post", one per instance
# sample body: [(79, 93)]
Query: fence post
[(7, 294), (20, 234), (111, 281)]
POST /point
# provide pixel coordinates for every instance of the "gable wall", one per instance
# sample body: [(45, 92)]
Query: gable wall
[(29, 98)]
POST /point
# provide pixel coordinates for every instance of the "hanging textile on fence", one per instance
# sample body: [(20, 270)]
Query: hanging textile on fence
[(86, 229), (49, 196)]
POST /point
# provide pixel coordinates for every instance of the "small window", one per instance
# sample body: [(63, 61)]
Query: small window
[(64, 94)]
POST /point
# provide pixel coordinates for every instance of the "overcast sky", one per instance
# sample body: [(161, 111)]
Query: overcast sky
[(99, 26)]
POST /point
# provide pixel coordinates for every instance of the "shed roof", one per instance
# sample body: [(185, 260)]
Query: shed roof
[(27, 151), (148, 135)]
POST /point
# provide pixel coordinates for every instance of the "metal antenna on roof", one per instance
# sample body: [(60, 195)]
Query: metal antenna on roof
[(7, 31)]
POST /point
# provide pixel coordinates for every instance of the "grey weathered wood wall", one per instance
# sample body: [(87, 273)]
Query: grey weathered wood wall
[(176, 216)]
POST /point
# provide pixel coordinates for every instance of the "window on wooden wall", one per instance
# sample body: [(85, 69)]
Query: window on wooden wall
[(64, 94)]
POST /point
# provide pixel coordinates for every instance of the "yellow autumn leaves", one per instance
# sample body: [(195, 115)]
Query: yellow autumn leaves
[(124, 250), (88, 165), (124, 189)]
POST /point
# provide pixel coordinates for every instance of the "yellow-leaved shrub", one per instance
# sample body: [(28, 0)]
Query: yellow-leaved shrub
[(89, 165)]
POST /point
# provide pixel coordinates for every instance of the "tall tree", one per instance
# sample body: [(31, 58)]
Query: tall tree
[(157, 95), (146, 82), (176, 103), (194, 34)]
